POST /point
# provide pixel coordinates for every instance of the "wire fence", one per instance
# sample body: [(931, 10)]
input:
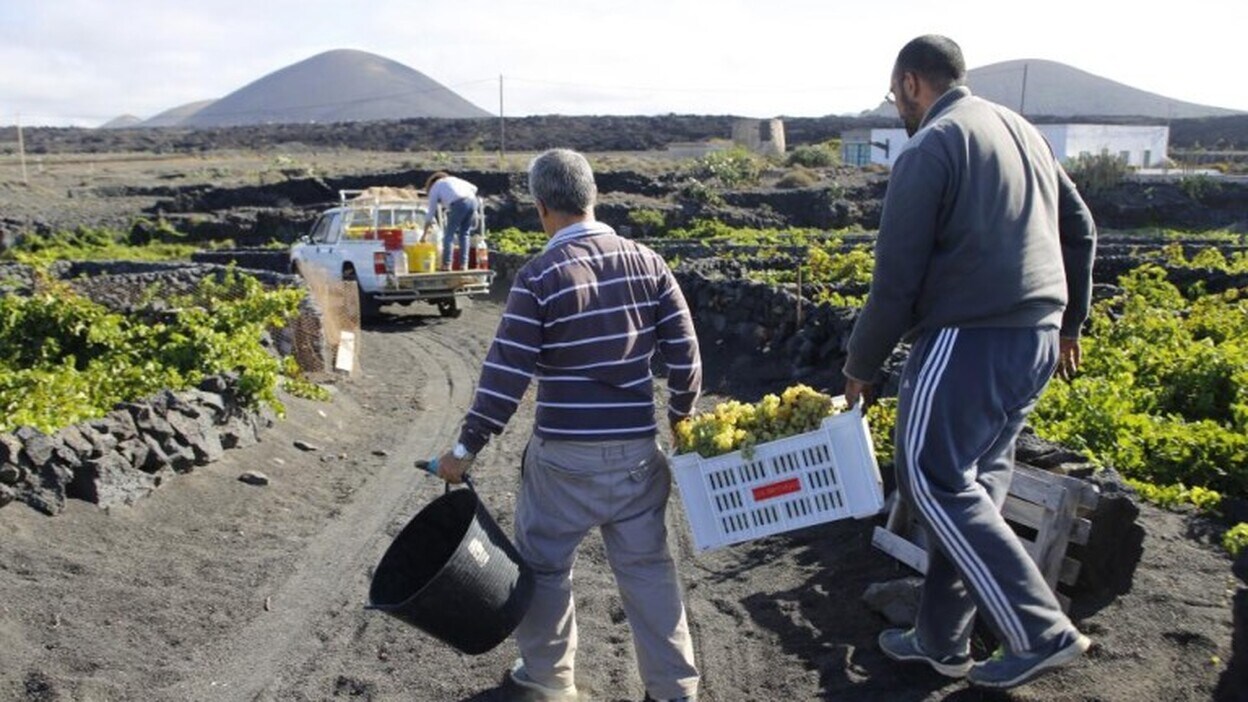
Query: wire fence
[(329, 337)]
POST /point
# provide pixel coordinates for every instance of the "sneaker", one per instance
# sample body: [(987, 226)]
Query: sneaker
[(903, 645), (1005, 670), (537, 691), (686, 698)]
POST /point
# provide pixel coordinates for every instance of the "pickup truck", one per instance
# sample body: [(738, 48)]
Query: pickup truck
[(373, 237)]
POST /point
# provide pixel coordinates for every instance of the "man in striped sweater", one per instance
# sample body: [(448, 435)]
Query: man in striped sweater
[(584, 318)]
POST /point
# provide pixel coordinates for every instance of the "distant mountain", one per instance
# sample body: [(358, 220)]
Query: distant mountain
[(122, 122), (337, 86), (177, 115), (1053, 89)]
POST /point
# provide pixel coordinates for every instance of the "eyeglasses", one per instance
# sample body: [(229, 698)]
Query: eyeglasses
[(890, 98)]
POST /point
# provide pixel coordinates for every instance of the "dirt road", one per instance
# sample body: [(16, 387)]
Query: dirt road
[(212, 589)]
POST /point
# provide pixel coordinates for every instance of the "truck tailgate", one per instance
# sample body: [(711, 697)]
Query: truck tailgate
[(438, 284)]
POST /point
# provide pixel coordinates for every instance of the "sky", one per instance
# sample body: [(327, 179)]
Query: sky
[(84, 62)]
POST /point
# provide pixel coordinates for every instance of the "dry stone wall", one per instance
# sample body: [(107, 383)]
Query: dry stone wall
[(130, 451), (747, 317), (272, 260)]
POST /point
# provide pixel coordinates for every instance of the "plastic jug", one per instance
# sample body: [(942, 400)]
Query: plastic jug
[(479, 255)]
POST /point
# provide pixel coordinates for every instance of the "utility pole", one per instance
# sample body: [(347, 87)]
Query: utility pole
[(502, 126), (21, 149), (1022, 98)]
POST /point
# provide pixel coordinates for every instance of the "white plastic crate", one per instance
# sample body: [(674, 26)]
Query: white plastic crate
[(798, 481)]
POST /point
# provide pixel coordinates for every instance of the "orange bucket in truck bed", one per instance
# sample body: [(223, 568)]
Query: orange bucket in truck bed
[(392, 238)]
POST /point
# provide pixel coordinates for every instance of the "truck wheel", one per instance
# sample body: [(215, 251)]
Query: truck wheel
[(449, 307), (370, 307)]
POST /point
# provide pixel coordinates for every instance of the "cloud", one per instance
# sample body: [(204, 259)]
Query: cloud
[(86, 61)]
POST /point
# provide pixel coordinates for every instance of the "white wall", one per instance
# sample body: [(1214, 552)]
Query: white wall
[(1067, 141), (894, 138), (1094, 139)]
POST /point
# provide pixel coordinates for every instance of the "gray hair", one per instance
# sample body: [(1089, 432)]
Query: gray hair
[(562, 180)]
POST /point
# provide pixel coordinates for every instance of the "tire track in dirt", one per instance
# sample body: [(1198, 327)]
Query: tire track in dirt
[(369, 655), (319, 643), (332, 572)]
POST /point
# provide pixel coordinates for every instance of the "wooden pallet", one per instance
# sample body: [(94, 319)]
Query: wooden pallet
[(1056, 507)]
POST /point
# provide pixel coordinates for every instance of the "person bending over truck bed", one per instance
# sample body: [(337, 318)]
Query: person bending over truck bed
[(460, 199)]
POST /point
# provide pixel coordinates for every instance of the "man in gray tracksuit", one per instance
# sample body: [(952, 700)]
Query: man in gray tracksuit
[(983, 262)]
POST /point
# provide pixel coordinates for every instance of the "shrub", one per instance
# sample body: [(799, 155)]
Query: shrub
[(143, 231), (650, 222), (1199, 187), (798, 178), (696, 191), (814, 156), (731, 168), (1096, 173)]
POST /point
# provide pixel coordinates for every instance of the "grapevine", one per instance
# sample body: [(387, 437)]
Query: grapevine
[(65, 359)]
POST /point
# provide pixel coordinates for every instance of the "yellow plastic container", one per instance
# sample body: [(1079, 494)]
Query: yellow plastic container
[(422, 258)]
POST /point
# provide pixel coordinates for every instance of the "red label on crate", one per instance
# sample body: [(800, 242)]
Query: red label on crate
[(784, 487)]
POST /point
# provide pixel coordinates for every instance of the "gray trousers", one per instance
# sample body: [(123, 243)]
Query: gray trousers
[(965, 394), (568, 488)]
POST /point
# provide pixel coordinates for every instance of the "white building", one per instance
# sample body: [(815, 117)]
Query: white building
[(1140, 146), (863, 147)]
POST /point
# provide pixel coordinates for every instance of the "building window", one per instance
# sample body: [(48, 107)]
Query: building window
[(1124, 156), (856, 154), (1148, 158)]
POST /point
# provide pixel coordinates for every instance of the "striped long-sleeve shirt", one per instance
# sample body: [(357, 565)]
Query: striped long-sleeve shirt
[(584, 317)]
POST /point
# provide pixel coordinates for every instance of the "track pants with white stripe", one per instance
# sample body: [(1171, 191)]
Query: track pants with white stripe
[(965, 394)]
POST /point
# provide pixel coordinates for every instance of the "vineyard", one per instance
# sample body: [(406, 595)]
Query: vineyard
[(1162, 395), (65, 359), (1161, 399), (171, 595)]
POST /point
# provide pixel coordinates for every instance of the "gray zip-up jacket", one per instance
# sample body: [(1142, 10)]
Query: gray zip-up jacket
[(981, 227)]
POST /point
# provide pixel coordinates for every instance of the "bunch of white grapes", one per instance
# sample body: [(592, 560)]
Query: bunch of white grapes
[(734, 425)]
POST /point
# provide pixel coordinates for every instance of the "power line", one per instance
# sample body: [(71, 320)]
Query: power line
[(597, 87), (689, 90), (21, 148), (502, 125)]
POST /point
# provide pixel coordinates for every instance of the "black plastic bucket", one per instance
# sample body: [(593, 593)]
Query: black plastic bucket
[(453, 574)]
